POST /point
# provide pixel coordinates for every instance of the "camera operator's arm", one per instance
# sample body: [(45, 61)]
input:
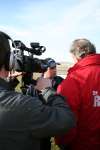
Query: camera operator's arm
[(48, 120)]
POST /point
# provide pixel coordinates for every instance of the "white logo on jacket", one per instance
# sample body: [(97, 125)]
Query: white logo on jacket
[(96, 99)]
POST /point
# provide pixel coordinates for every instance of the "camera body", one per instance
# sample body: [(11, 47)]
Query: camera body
[(27, 63)]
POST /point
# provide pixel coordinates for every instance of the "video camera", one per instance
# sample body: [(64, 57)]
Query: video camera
[(27, 63)]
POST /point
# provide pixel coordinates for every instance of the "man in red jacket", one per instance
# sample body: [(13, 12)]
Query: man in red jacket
[(82, 89)]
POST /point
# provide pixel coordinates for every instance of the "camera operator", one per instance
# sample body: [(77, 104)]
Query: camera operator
[(24, 120)]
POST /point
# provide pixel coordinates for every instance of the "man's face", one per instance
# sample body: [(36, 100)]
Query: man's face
[(4, 73), (51, 72)]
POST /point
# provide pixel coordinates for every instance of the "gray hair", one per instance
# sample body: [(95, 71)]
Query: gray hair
[(82, 47)]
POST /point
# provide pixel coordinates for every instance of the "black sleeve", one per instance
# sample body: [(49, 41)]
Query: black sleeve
[(48, 120), (43, 120)]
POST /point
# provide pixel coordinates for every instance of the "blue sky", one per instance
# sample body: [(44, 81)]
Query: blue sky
[(53, 23)]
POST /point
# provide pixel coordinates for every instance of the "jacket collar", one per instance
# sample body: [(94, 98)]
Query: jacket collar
[(93, 59)]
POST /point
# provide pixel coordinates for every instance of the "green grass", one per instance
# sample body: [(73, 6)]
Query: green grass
[(53, 146)]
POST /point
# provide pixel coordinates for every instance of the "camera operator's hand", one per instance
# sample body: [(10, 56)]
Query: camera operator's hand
[(47, 92), (50, 96), (15, 74), (43, 83)]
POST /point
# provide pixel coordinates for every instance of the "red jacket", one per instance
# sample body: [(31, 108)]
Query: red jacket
[(82, 89)]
